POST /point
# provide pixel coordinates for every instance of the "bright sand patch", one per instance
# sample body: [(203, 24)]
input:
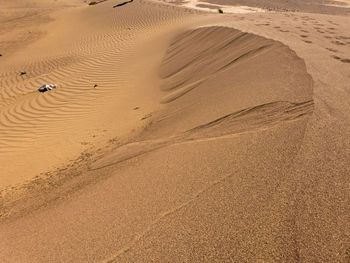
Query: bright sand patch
[(208, 7)]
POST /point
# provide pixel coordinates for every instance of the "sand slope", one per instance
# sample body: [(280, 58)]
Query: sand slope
[(210, 138), (76, 115)]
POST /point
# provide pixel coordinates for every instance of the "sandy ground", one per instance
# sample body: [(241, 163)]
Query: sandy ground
[(175, 134), (209, 7)]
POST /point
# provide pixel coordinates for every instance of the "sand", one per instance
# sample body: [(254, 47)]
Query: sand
[(175, 133)]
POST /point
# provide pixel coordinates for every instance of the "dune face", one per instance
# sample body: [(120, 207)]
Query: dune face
[(174, 135), (220, 68), (76, 59)]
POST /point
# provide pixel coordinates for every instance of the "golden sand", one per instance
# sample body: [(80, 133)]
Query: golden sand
[(174, 134)]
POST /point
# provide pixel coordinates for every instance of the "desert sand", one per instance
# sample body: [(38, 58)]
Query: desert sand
[(175, 133)]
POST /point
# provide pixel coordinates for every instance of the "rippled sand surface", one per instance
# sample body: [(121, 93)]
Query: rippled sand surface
[(175, 133)]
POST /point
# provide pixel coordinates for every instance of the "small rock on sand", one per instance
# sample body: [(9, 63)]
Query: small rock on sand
[(47, 87)]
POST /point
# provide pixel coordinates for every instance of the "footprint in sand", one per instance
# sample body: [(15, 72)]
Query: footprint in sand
[(332, 50), (345, 60), (338, 43), (331, 22), (306, 18), (146, 116), (342, 37)]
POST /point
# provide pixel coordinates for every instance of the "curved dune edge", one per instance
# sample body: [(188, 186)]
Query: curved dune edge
[(224, 55), (102, 48), (239, 168)]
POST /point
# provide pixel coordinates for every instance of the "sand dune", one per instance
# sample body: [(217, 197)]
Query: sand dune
[(174, 135), (314, 6), (32, 121)]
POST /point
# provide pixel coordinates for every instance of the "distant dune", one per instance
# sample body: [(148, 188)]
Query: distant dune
[(176, 133)]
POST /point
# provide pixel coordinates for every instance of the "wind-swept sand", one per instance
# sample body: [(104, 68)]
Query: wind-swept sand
[(174, 135)]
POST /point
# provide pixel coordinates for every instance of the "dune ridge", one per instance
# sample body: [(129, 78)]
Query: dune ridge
[(177, 74), (208, 138), (29, 120), (258, 117)]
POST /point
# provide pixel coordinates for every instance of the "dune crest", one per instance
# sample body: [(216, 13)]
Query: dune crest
[(174, 135)]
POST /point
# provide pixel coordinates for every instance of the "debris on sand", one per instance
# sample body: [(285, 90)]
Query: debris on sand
[(47, 87), (124, 3), (95, 86), (97, 2), (23, 73)]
